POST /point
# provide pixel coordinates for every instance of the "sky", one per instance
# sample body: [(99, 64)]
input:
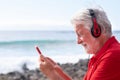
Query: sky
[(50, 14)]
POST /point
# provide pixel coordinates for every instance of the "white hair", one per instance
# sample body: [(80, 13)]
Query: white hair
[(84, 17)]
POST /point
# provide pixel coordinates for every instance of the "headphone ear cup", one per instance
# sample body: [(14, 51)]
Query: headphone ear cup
[(96, 32)]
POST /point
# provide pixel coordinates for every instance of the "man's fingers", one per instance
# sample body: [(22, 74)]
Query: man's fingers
[(42, 58), (50, 60), (47, 60)]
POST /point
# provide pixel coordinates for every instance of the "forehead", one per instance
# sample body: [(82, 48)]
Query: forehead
[(79, 27)]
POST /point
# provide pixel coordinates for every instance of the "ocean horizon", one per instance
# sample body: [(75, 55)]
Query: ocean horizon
[(18, 47)]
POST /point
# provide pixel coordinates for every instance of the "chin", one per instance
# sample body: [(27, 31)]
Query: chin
[(87, 52)]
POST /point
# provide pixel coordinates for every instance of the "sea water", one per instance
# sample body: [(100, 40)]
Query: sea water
[(18, 47)]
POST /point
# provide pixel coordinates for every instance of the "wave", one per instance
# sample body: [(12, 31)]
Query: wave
[(35, 41), (32, 62)]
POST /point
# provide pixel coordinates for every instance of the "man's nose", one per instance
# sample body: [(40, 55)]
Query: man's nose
[(79, 41)]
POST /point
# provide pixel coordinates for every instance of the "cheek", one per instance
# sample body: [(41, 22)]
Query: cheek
[(90, 39), (91, 44)]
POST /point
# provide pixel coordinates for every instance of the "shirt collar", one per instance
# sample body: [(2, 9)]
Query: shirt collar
[(106, 46)]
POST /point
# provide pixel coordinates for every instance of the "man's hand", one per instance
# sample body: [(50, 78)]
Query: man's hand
[(51, 69)]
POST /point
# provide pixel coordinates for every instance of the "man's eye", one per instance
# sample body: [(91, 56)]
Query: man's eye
[(79, 35)]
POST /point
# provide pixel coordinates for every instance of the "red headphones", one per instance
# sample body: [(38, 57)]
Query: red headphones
[(96, 29)]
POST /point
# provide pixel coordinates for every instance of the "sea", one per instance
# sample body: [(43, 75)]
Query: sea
[(18, 48)]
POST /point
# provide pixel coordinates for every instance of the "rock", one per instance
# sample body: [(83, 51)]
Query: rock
[(76, 71)]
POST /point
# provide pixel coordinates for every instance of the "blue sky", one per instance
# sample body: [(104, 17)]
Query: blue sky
[(50, 14)]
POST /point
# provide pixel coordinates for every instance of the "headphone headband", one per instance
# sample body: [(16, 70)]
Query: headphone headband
[(91, 13)]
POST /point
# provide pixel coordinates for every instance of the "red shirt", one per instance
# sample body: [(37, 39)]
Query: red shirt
[(106, 64)]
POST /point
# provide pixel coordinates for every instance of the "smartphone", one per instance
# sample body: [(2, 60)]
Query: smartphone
[(38, 50)]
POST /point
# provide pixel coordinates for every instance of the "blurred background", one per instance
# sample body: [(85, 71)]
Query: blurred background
[(45, 23)]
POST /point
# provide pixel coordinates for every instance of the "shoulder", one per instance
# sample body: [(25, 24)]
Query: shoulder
[(113, 51)]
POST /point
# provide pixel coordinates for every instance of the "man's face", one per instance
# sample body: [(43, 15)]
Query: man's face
[(85, 38)]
